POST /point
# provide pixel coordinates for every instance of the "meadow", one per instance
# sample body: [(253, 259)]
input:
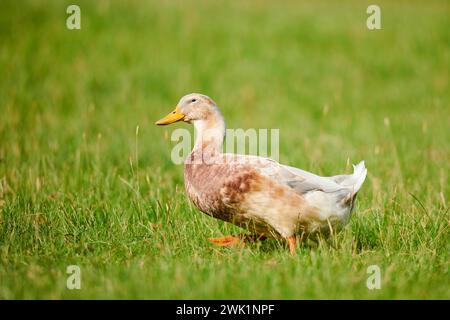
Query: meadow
[(86, 178)]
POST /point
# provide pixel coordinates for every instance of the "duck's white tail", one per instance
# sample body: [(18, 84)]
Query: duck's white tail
[(355, 180), (358, 176), (360, 173)]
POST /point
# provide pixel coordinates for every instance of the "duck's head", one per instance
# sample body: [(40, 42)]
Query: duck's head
[(191, 108)]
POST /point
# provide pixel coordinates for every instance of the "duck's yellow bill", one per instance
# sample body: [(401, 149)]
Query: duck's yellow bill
[(172, 117)]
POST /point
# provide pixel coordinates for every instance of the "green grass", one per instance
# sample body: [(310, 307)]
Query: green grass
[(79, 186)]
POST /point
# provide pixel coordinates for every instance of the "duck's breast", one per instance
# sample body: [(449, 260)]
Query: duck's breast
[(218, 189)]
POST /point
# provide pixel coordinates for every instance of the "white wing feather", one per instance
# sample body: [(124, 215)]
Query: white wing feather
[(303, 181)]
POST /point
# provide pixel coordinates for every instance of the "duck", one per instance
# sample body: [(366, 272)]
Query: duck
[(269, 199)]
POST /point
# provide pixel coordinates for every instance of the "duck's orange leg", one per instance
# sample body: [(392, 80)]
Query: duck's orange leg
[(292, 241)]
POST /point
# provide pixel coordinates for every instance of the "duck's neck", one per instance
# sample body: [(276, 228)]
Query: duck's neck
[(210, 135)]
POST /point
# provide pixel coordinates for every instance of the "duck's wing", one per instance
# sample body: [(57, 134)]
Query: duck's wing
[(299, 180), (303, 181)]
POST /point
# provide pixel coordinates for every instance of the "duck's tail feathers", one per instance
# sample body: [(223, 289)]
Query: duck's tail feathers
[(354, 183), (358, 177)]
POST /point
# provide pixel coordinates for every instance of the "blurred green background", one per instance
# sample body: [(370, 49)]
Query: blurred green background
[(79, 184)]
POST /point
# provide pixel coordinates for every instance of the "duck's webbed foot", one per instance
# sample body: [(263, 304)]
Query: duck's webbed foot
[(234, 240), (225, 241)]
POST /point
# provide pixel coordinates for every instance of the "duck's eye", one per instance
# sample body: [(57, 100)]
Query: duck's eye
[(193, 100)]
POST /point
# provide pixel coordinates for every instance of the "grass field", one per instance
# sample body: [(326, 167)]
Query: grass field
[(80, 185)]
